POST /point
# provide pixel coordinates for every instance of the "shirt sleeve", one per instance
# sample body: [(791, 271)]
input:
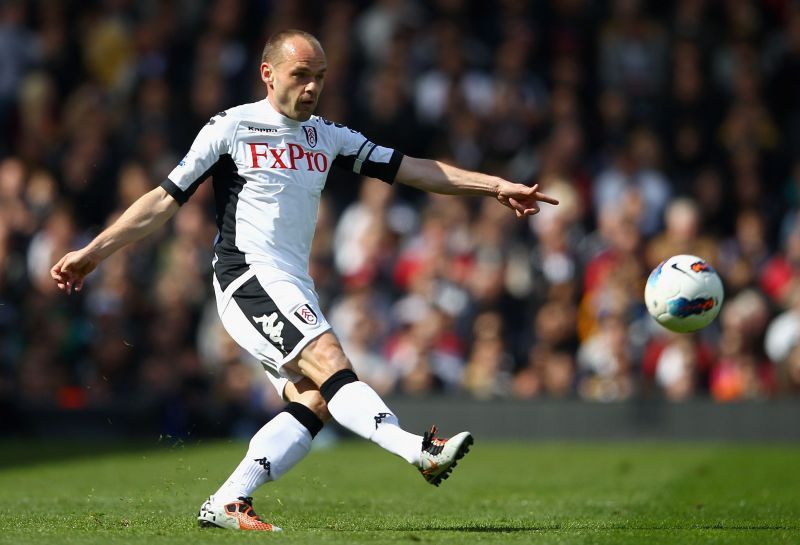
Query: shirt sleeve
[(210, 144), (358, 154)]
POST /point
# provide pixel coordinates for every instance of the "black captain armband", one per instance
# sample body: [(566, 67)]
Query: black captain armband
[(361, 163)]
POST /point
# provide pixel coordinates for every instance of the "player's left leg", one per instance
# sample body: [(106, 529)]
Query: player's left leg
[(357, 407), (283, 441)]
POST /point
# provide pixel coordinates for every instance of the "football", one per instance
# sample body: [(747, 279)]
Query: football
[(684, 293)]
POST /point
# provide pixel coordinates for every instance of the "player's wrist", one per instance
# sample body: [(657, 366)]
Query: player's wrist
[(97, 251), (501, 187)]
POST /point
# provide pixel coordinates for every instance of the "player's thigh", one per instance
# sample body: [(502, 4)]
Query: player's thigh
[(273, 320), (322, 357)]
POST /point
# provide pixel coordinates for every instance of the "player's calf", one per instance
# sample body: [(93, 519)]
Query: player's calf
[(306, 393)]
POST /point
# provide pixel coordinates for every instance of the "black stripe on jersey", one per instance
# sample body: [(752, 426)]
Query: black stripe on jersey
[(262, 312), (383, 171), (229, 266), (227, 185), (346, 162)]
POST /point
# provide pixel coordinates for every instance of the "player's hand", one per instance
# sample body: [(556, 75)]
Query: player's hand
[(522, 199), (71, 269)]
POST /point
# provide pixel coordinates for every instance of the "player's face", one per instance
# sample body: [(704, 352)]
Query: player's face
[(295, 80)]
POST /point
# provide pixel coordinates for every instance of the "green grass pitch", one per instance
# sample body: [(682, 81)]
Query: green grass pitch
[(352, 493)]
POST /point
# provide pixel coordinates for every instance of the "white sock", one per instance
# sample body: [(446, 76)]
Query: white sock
[(274, 450), (360, 409)]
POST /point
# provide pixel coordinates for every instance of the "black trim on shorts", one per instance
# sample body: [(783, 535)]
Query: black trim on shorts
[(305, 416), (264, 315)]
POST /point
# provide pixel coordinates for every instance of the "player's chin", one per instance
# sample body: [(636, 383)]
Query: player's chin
[(305, 109)]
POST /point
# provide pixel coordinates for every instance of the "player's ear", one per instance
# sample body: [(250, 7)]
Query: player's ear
[(267, 74)]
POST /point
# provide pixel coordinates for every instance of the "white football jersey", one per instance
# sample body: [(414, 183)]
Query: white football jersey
[(268, 173)]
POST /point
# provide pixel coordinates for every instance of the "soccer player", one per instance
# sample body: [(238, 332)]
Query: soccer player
[(269, 161)]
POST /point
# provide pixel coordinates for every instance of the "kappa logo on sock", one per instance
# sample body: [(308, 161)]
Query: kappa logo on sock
[(263, 462), (306, 314), (380, 417)]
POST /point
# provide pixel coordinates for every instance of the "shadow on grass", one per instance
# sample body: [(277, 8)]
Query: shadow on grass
[(604, 528)]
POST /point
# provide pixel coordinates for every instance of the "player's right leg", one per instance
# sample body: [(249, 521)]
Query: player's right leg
[(280, 443), (274, 450)]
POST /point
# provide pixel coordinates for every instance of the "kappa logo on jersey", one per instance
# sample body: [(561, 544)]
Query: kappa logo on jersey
[(261, 129), (292, 157), (311, 135), (306, 314), (273, 328)]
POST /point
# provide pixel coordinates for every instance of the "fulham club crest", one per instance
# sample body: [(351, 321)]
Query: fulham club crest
[(311, 135), (306, 315)]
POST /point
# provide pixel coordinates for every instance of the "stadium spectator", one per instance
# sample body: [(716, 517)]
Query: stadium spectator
[(741, 370), (677, 365), (689, 100)]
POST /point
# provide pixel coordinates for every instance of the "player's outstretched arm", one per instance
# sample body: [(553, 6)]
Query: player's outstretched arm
[(437, 177), (144, 216)]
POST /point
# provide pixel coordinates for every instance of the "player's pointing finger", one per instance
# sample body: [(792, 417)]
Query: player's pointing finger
[(541, 197)]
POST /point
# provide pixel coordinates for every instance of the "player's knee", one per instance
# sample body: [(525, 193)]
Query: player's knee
[(323, 358), (314, 401), (306, 393)]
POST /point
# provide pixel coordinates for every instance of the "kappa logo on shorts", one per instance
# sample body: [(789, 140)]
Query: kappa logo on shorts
[(306, 314), (273, 328), (311, 135)]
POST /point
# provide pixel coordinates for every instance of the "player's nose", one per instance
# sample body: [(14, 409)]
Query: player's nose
[(312, 88)]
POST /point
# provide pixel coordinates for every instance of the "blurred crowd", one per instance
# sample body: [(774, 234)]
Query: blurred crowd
[(662, 127)]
